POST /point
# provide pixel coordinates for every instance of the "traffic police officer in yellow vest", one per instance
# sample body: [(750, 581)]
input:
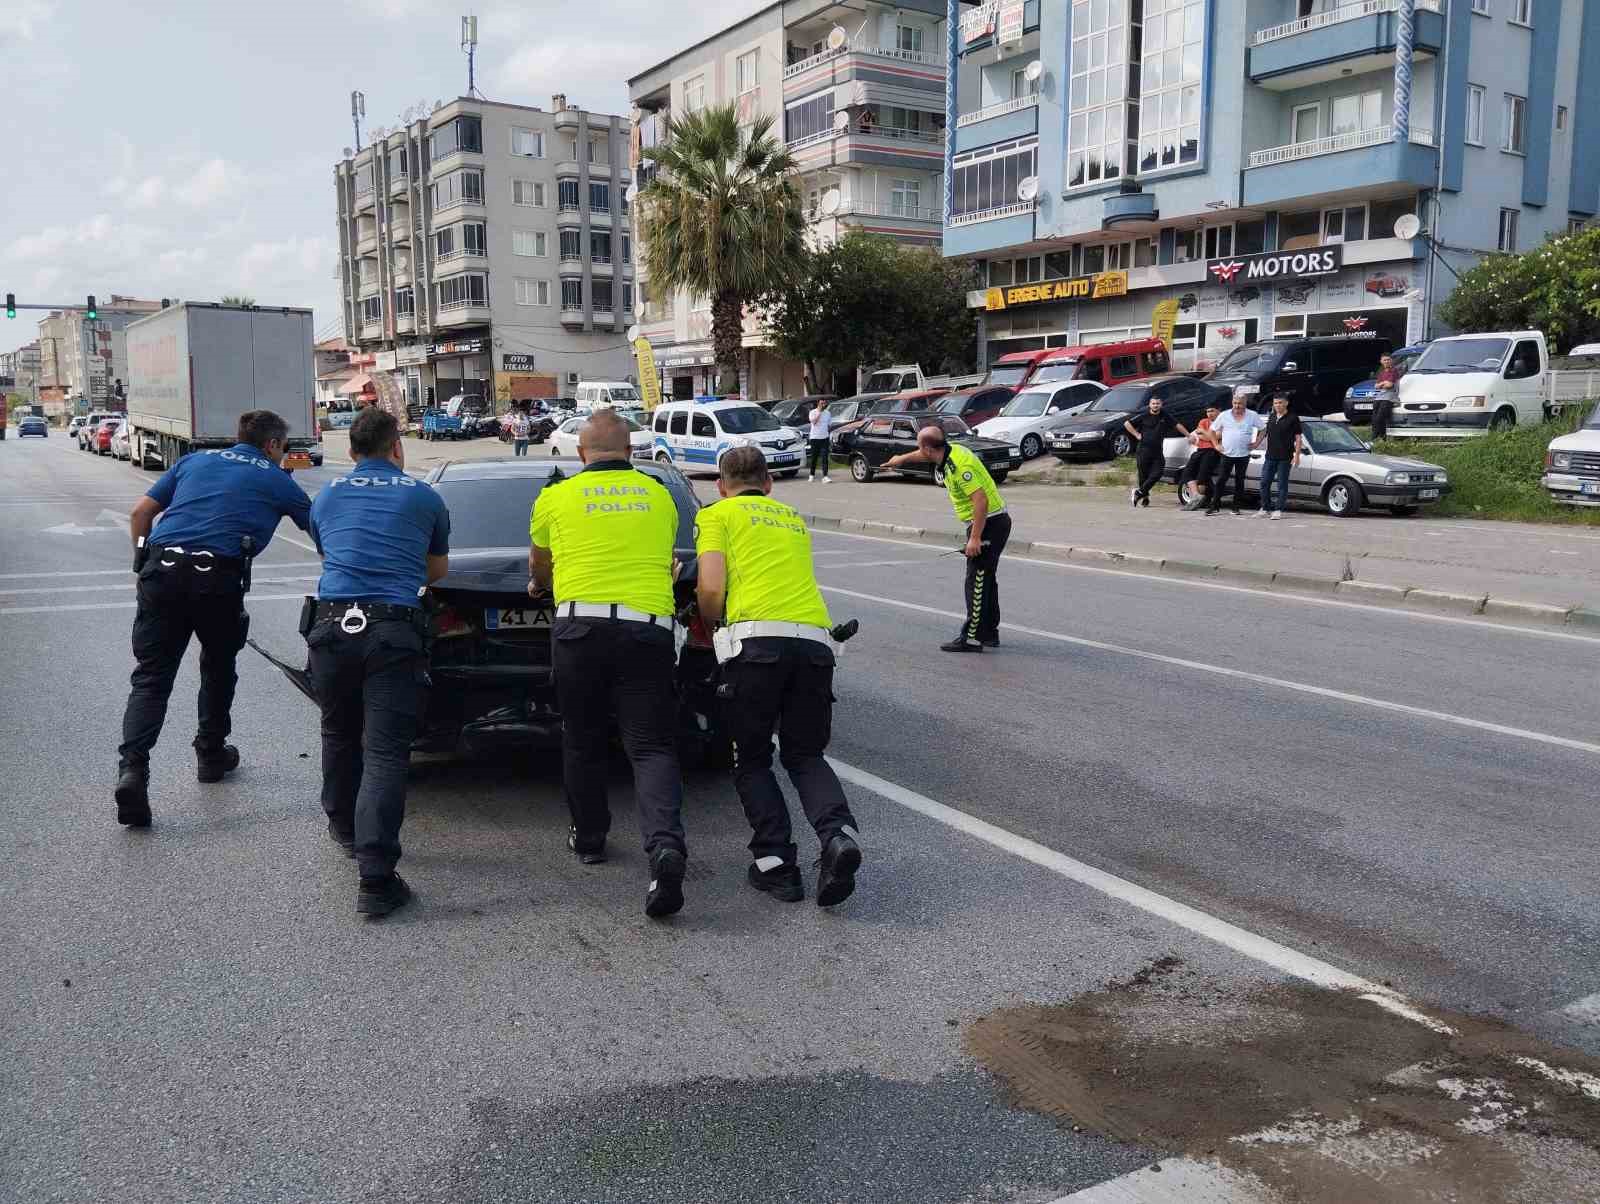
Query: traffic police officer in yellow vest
[(755, 572), (978, 504), (602, 543)]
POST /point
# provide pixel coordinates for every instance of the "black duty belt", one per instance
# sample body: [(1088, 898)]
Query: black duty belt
[(199, 560), (353, 617)]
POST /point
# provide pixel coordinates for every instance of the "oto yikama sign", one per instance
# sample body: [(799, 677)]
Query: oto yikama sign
[(1277, 265), (1104, 284), (514, 361)]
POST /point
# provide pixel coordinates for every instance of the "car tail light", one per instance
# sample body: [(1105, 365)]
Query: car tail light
[(699, 635), (448, 622)]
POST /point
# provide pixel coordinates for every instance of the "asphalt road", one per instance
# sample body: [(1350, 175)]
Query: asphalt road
[(193, 1013)]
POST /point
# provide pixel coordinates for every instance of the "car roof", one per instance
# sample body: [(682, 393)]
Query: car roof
[(511, 469)]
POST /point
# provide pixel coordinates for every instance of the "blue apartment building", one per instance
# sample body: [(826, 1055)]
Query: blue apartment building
[(1253, 160)]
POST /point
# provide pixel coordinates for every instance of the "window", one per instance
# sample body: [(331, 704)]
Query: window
[(474, 240), (1169, 103), (1561, 119), (1299, 230), (990, 181), (1524, 360), (1186, 246), (527, 142), (364, 180), (680, 422), (471, 288), (1144, 253), (1353, 114), (528, 242), (1306, 124), (571, 244), (1249, 238), (1000, 272), (1576, 225), (566, 195), (1508, 229), (1475, 100), (572, 294), (1219, 241), (529, 193), (405, 302), (908, 38), (463, 133), (600, 150), (1344, 225), (371, 309), (1102, 85), (627, 249), (1512, 111), (804, 118), (1021, 85), (694, 94), (600, 246), (661, 422), (627, 298), (701, 427), (601, 294), (1383, 215), (1521, 12), (1481, 6), (599, 197), (444, 243), (458, 187), (747, 71), (532, 292), (905, 198), (1057, 264), (398, 161), (1094, 258)]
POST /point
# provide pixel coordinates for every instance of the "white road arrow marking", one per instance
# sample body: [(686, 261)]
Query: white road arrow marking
[(74, 529)]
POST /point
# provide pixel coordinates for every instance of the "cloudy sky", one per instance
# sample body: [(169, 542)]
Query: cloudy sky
[(184, 148)]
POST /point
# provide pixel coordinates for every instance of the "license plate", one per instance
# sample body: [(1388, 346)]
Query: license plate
[(1361, 405), (785, 457), (1591, 487), (297, 460), (516, 617), (1427, 494)]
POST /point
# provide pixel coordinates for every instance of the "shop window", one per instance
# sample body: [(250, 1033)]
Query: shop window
[(1249, 238), (1296, 231), (1219, 241), (1382, 215), (1344, 225), (1144, 253), (1094, 258), (999, 272), (1187, 246), (1057, 265)]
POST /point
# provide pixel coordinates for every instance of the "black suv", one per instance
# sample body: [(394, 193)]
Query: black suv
[(1312, 372)]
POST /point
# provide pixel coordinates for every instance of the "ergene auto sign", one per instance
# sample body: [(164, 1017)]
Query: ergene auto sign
[(1277, 265)]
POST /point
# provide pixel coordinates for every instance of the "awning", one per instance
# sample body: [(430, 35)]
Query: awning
[(357, 384)]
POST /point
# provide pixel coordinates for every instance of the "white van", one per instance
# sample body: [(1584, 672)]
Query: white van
[(1467, 384), (606, 394), (694, 434)]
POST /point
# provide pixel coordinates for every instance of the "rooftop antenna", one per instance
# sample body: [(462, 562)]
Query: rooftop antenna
[(358, 110), (469, 44)]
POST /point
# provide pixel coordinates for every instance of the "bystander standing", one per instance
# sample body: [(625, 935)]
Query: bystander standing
[(1283, 453)]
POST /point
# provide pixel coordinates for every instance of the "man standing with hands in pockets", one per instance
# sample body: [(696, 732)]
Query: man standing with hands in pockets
[(821, 425)]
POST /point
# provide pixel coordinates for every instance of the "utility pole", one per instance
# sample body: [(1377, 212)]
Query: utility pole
[(469, 44)]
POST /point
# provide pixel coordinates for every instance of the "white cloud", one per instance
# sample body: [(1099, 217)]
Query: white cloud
[(214, 181), (23, 20), (289, 258), (147, 193)]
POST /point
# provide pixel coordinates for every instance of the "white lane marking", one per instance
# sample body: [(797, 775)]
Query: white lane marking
[(1401, 1008), (872, 564), (1178, 1181), (1185, 582), (269, 568), (96, 589), (1577, 1079), (1261, 679), (1269, 953), (299, 543), (1585, 1010), (54, 610)]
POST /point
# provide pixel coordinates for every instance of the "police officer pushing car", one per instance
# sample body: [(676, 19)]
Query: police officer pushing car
[(383, 536), (755, 571), (602, 542), (217, 509)]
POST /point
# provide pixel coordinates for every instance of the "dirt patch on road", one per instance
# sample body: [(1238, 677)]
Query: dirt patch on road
[(1322, 1094)]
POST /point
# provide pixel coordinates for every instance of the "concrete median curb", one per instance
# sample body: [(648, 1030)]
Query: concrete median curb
[(1366, 593)]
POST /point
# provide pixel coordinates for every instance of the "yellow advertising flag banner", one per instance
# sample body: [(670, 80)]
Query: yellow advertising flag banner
[(649, 383), (1162, 318)]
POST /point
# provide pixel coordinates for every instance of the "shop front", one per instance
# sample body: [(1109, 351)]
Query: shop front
[(461, 365), (412, 372), (517, 380), (687, 372)]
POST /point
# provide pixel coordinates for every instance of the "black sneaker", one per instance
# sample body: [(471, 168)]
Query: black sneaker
[(836, 877), (665, 898), (961, 644), (345, 840), (213, 764), (781, 882), (380, 896), (992, 642), (589, 854), (133, 796)]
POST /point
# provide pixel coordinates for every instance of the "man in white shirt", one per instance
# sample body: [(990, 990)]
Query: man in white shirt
[(821, 423), (1239, 430)]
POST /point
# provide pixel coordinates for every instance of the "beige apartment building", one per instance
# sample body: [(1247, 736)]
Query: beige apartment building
[(82, 360)]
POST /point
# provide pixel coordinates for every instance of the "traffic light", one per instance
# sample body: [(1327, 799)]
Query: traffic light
[(11, 305), (92, 312)]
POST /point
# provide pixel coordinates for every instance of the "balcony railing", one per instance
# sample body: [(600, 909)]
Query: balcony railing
[(446, 306), (989, 215), (862, 46), (912, 213), (1334, 16), (1013, 105), (892, 133), (1332, 146), (461, 253), (567, 207), (599, 259)]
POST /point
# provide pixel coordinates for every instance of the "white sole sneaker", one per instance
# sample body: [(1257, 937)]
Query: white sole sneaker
[(827, 480)]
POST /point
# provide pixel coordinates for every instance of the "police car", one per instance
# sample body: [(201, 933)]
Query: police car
[(694, 434)]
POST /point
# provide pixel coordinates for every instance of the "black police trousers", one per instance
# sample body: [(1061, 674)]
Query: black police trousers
[(787, 685), (175, 603), (372, 687), (983, 590), (609, 668)]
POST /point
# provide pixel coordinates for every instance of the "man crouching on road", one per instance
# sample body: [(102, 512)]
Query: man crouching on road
[(756, 573), (978, 504)]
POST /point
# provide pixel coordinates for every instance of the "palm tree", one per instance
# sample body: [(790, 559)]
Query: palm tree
[(723, 220)]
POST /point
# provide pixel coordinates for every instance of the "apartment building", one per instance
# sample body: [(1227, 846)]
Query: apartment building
[(21, 369), (486, 248), (82, 360), (857, 92), (1254, 161)]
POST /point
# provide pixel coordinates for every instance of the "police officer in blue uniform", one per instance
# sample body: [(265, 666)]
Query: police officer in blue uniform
[(217, 510), (384, 536)]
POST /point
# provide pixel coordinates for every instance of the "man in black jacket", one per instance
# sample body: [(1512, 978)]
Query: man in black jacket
[(1151, 427)]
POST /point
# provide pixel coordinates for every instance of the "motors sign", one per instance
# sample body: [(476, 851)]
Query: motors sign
[(1277, 265)]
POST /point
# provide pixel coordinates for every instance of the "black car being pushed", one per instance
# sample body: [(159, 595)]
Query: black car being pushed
[(1099, 433), (884, 435), (490, 655)]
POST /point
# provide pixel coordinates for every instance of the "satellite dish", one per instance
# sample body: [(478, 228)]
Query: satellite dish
[(830, 202), (630, 193), (633, 333), (1034, 70), (858, 95), (837, 37), (841, 121), (1028, 189), (1407, 226)]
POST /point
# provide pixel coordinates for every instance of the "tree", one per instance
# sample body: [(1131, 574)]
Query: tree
[(722, 219), (232, 299), (869, 299), (1554, 288)]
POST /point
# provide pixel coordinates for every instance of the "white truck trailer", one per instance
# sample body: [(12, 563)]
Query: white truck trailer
[(195, 367)]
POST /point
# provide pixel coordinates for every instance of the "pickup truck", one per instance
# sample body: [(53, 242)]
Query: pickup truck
[(898, 378), (1467, 384)]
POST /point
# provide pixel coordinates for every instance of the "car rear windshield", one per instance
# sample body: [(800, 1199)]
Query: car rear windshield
[(1058, 370), (495, 513), (1463, 355), (1006, 374), (1251, 362), (747, 420)]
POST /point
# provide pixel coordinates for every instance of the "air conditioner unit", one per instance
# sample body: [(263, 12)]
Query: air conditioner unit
[(572, 378)]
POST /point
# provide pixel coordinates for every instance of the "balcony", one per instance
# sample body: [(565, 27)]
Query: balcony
[(400, 232), (569, 215), (367, 242), (568, 119), (366, 201), (372, 329), (367, 288), (884, 146), (1366, 158), (600, 266), (571, 316), (1351, 39), (1001, 122), (567, 169), (906, 221), (461, 207), (399, 185), (989, 229), (570, 265), (865, 59), (405, 323), (459, 260), (463, 313)]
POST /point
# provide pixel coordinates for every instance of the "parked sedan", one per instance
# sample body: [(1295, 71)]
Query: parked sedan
[(1340, 472), (1098, 433), (100, 441), (885, 435), (121, 448), (1033, 415), (565, 440), (973, 406), (32, 424)]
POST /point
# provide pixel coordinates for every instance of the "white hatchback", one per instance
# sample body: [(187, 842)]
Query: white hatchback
[(1030, 417), (564, 439)]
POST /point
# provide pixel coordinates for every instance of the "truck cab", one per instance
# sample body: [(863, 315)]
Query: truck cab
[(1467, 384)]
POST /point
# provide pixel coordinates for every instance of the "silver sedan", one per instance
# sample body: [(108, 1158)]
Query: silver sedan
[(1339, 472)]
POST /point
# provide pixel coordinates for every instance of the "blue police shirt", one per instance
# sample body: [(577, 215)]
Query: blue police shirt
[(375, 527), (211, 500)]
